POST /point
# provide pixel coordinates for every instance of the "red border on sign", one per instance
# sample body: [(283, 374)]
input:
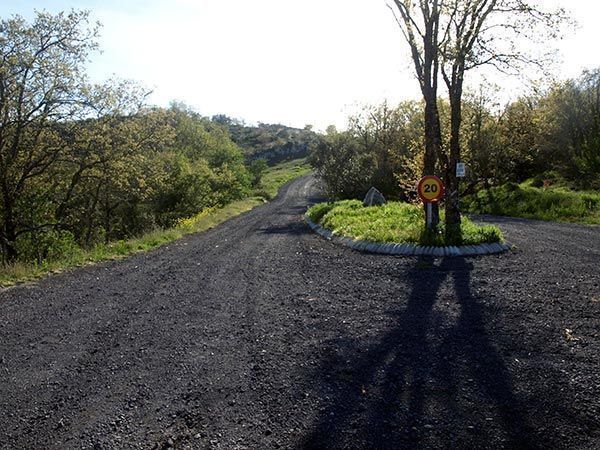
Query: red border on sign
[(440, 194)]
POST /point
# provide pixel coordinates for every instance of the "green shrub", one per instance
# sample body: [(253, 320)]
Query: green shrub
[(46, 245), (554, 204)]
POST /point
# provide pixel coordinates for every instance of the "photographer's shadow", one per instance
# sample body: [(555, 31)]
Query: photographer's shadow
[(436, 368)]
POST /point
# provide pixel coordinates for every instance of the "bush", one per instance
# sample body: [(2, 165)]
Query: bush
[(555, 204), (257, 168), (46, 245)]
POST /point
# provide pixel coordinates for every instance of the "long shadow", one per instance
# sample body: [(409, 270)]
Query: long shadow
[(468, 342), (433, 380)]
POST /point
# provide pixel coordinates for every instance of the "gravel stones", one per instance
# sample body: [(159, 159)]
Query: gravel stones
[(278, 338)]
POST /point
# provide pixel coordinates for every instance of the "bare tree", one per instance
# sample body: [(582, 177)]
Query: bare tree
[(485, 32), (420, 27), (454, 36)]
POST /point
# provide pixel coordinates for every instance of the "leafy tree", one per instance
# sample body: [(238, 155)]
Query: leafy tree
[(481, 32), (570, 138), (41, 84), (343, 164), (381, 148), (257, 168), (420, 26)]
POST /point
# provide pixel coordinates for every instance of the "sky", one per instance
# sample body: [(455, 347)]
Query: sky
[(279, 61)]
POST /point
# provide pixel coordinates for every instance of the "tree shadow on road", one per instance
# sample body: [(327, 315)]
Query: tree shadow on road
[(434, 380)]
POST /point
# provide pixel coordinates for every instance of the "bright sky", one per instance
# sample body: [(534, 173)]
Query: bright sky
[(275, 61)]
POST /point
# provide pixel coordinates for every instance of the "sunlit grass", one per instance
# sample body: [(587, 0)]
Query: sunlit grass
[(395, 222), (557, 204), (278, 175)]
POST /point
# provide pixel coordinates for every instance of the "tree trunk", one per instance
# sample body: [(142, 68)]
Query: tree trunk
[(9, 237), (452, 181), (9, 227), (433, 144)]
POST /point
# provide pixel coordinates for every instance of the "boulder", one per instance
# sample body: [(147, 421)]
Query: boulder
[(374, 198)]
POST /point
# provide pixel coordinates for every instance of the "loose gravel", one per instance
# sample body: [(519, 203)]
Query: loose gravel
[(260, 334)]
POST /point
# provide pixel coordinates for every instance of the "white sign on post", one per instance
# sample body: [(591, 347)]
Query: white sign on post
[(460, 169)]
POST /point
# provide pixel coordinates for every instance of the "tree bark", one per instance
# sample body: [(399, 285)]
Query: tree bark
[(9, 231), (452, 181), (433, 144)]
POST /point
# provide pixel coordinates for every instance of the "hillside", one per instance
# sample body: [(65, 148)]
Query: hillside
[(273, 142)]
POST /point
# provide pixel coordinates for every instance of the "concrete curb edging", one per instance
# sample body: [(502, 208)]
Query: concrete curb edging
[(409, 249)]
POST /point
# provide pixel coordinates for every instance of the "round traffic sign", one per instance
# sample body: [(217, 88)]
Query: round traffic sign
[(430, 189)]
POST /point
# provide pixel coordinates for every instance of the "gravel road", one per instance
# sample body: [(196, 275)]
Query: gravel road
[(259, 334)]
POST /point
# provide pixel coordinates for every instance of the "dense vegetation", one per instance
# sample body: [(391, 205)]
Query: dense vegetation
[(271, 142), (545, 203), (272, 179), (393, 222), (83, 165), (552, 137)]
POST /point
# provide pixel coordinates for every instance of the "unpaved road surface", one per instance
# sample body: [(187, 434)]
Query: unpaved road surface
[(259, 334)]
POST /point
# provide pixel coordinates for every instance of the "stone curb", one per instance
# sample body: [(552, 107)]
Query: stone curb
[(409, 249)]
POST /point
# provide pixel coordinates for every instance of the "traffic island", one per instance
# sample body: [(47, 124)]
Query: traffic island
[(409, 249), (397, 228)]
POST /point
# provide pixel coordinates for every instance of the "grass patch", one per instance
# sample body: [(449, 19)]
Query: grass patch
[(273, 179), (276, 176), (395, 222), (558, 204)]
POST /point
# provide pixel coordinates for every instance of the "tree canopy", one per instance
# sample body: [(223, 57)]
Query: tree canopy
[(82, 162)]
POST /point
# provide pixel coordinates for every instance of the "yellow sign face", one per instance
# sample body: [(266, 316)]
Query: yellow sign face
[(430, 189)]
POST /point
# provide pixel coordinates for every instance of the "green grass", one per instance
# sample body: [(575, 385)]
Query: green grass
[(273, 179), (558, 204), (278, 175), (394, 222)]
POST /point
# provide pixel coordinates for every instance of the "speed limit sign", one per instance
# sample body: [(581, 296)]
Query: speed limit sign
[(430, 189)]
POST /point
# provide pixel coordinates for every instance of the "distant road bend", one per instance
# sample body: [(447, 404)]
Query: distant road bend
[(259, 334)]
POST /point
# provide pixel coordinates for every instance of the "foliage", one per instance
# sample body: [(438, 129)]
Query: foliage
[(394, 222), (257, 169), (555, 204), (63, 252), (569, 136), (272, 142), (82, 164), (551, 136), (453, 37), (41, 75), (382, 147), (554, 131)]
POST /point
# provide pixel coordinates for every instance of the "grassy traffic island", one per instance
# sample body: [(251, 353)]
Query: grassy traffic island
[(395, 222)]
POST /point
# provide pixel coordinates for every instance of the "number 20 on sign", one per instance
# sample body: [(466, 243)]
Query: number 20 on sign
[(430, 189)]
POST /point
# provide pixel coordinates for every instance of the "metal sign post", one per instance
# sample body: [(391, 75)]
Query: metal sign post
[(429, 219), (430, 190)]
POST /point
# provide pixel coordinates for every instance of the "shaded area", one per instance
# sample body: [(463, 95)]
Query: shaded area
[(410, 386)]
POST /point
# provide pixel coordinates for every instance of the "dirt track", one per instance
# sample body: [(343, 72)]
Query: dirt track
[(259, 334)]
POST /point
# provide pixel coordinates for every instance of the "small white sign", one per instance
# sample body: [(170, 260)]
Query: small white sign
[(460, 169)]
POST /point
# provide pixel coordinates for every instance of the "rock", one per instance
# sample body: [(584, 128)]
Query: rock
[(374, 198)]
